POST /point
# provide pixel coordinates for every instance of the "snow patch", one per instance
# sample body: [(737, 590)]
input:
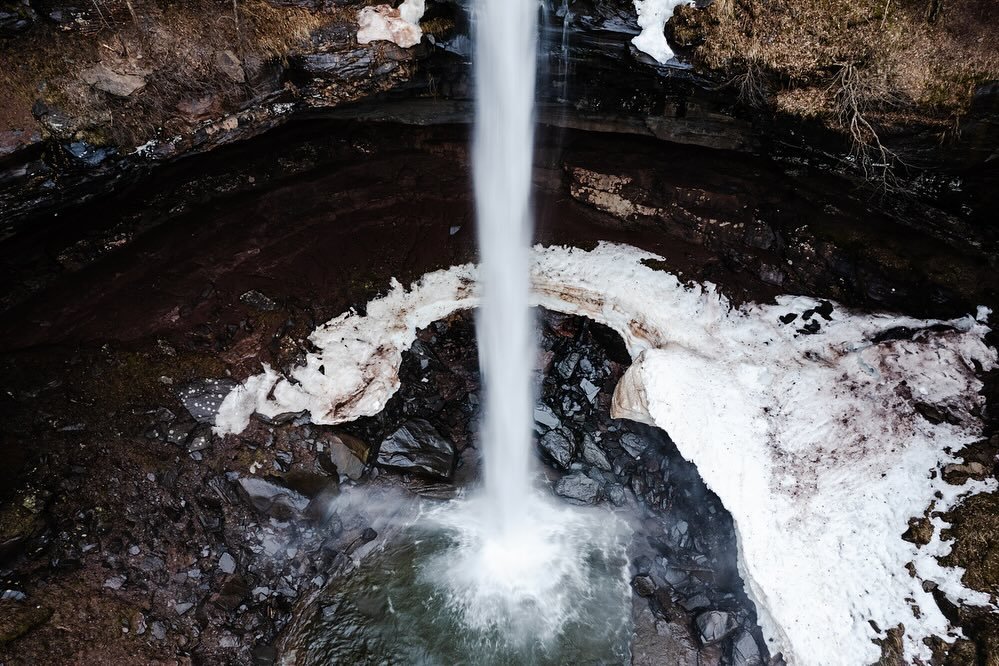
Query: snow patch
[(385, 23), (653, 15), (812, 442)]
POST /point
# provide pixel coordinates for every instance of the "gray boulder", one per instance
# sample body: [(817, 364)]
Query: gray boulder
[(559, 447), (349, 454), (578, 488), (593, 454), (418, 447), (713, 626), (111, 82), (203, 397), (745, 652), (633, 444)]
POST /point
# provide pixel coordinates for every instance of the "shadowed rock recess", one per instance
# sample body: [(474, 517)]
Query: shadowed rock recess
[(188, 190)]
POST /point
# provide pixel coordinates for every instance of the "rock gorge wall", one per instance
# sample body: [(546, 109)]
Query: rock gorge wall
[(99, 93)]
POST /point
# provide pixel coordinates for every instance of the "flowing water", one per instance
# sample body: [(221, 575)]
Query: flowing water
[(506, 575), (505, 57), (441, 591)]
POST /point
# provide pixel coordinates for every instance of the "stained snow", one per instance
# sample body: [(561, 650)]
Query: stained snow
[(812, 441), (398, 25), (653, 15)]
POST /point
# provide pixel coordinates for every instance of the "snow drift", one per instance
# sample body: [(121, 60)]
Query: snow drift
[(808, 429)]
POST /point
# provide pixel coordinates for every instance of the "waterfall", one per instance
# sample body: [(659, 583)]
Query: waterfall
[(520, 566), (505, 62)]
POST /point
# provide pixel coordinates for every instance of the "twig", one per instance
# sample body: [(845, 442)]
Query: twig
[(131, 10), (235, 18)]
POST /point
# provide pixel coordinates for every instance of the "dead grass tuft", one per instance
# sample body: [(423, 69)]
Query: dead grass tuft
[(180, 49), (856, 64)]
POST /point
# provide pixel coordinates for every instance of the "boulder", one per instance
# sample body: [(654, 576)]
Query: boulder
[(643, 586), (200, 107), (593, 454), (348, 453), (227, 563), (21, 519), (17, 619), (714, 625), (111, 82), (258, 301), (745, 652), (229, 64), (545, 417), (418, 447), (15, 18), (272, 499), (633, 444), (203, 397), (559, 447), (578, 489), (657, 641)]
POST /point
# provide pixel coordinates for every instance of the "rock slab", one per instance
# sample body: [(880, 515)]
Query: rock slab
[(578, 488), (418, 447)]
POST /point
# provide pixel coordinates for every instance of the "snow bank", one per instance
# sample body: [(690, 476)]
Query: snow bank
[(812, 442), (653, 15), (383, 22)]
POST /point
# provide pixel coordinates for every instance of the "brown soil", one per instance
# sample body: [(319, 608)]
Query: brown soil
[(196, 58)]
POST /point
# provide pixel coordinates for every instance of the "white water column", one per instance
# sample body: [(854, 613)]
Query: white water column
[(505, 56)]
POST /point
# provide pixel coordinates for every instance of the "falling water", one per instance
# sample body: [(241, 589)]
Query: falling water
[(506, 575), (505, 38)]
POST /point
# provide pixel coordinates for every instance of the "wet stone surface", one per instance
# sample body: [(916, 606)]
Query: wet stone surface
[(417, 446), (689, 599), (140, 536)]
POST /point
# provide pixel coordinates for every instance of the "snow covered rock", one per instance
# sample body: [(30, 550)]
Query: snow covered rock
[(653, 15), (400, 26)]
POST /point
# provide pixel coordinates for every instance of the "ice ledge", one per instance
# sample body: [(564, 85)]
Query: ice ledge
[(812, 442)]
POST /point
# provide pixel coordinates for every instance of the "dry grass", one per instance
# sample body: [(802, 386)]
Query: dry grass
[(860, 65), (176, 44)]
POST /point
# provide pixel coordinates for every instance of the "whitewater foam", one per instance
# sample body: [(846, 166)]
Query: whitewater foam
[(529, 584)]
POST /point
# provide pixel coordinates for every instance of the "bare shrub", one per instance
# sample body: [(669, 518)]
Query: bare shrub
[(857, 94)]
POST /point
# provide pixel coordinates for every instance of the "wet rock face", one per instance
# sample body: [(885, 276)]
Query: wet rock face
[(418, 447), (690, 607), (592, 78), (815, 237)]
